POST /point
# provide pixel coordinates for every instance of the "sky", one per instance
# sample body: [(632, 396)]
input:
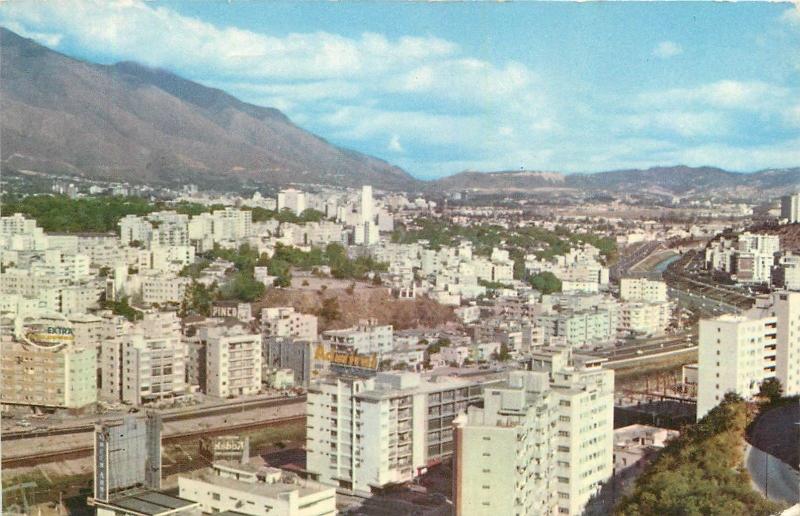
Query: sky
[(438, 88)]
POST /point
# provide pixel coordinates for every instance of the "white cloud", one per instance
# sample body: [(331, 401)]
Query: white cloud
[(51, 40), (683, 123), (159, 36), (667, 49), (791, 16), (725, 94), (394, 144)]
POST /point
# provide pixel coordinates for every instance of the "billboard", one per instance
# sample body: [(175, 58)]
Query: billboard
[(222, 309), (346, 359), (48, 331), (101, 466)]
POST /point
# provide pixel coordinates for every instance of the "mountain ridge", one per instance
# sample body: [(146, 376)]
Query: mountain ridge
[(676, 180), (129, 121)]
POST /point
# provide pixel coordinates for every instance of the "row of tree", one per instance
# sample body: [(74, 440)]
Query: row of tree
[(61, 214)]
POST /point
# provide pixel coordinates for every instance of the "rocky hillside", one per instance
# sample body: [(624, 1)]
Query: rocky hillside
[(129, 122)]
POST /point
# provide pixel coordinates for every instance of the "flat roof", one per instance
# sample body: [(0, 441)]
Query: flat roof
[(269, 490), (150, 503)]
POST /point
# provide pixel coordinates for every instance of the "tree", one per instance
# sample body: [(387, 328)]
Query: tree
[(124, 309), (503, 354), (198, 299), (545, 282), (242, 287), (700, 471), (771, 389), (436, 346), (330, 309), (282, 271)]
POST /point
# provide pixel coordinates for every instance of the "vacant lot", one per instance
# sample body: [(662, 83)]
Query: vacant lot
[(356, 301)]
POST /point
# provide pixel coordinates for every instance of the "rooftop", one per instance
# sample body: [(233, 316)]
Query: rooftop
[(283, 487), (152, 503)]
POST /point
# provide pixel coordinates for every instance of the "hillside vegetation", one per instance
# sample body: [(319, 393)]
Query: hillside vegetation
[(701, 472)]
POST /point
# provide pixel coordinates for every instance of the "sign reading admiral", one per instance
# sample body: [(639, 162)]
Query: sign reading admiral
[(346, 359)]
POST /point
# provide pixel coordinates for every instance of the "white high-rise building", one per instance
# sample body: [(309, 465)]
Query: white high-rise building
[(233, 360), (232, 224), (738, 352), (292, 200), (541, 444), (790, 208), (366, 204), (366, 433), (786, 273), (367, 231), (283, 321), (504, 461), (152, 359), (642, 289), (367, 337)]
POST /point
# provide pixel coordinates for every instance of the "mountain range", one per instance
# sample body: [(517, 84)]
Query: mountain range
[(129, 122), (678, 180)]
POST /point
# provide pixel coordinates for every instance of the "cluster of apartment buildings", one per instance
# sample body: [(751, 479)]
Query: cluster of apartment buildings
[(538, 441)]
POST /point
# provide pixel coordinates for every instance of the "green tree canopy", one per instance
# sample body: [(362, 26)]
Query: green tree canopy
[(545, 282)]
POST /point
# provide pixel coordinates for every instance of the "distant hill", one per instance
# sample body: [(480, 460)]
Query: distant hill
[(496, 181), (668, 181), (131, 122)]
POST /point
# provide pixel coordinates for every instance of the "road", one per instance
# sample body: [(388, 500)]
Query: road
[(42, 429), (633, 255), (648, 347), (688, 275), (45, 448), (771, 476)]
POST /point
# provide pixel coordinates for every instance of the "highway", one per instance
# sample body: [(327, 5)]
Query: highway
[(633, 255), (166, 416), (687, 276), (77, 452), (649, 347)]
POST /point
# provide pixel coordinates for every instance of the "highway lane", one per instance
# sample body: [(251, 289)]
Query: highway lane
[(77, 452), (167, 416)]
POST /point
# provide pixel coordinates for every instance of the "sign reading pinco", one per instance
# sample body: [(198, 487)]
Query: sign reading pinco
[(51, 331)]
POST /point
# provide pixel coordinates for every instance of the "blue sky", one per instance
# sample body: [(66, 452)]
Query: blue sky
[(438, 88)]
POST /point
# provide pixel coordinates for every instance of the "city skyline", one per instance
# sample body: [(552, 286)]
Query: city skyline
[(556, 87)]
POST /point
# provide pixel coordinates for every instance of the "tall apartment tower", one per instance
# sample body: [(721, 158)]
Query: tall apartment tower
[(366, 204), (368, 433), (790, 208), (541, 444), (504, 461), (738, 352)]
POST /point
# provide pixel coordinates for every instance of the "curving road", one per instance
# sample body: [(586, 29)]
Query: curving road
[(772, 477)]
